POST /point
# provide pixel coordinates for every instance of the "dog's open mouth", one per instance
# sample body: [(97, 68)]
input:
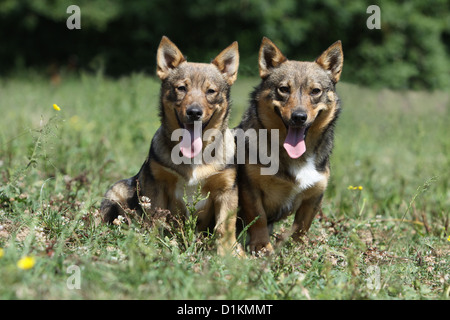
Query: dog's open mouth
[(295, 140), (191, 142), (294, 143)]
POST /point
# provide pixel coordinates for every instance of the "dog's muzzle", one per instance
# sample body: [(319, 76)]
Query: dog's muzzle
[(298, 118), (194, 113)]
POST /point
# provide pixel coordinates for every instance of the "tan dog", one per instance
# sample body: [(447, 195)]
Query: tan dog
[(299, 100), (194, 98)]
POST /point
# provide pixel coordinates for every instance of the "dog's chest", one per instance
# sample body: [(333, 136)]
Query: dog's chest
[(187, 190), (303, 176)]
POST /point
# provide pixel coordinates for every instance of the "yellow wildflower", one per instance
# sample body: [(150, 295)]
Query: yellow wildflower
[(360, 188), (55, 106), (26, 263), (448, 239), (2, 252)]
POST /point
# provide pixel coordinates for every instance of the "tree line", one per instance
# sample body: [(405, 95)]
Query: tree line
[(409, 50)]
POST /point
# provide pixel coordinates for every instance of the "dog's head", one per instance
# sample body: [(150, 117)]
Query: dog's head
[(195, 96), (294, 94)]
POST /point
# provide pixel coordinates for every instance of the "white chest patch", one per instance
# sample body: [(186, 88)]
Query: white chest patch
[(188, 189), (306, 175)]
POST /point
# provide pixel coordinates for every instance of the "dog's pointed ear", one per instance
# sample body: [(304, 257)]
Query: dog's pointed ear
[(228, 62), (270, 57), (168, 57), (332, 60)]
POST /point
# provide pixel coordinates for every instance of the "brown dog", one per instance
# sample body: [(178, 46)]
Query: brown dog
[(298, 99), (194, 99)]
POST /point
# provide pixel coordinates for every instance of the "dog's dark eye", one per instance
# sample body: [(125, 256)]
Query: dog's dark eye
[(284, 89), (315, 91), (181, 88), (210, 91)]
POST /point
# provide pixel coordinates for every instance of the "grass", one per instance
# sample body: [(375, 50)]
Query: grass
[(389, 240)]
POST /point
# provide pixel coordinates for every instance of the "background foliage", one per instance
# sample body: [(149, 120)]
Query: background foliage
[(411, 50)]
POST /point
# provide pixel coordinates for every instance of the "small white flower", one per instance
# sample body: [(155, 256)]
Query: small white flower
[(146, 203), (119, 220)]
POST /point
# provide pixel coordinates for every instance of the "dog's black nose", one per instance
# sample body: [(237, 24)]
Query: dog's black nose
[(194, 112), (299, 117)]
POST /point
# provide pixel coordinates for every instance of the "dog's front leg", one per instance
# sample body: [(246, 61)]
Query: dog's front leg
[(305, 215), (254, 215), (225, 207)]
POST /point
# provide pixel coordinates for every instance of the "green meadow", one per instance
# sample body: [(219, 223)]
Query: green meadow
[(383, 231)]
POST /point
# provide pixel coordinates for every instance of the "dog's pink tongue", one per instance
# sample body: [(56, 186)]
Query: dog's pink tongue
[(295, 142), (191, 143)]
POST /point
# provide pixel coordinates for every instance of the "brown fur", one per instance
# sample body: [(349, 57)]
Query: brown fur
[(298, 186), (186, 84)]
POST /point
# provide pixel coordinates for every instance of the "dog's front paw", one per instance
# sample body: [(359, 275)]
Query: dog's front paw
[(261, 249), (239, 251)]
